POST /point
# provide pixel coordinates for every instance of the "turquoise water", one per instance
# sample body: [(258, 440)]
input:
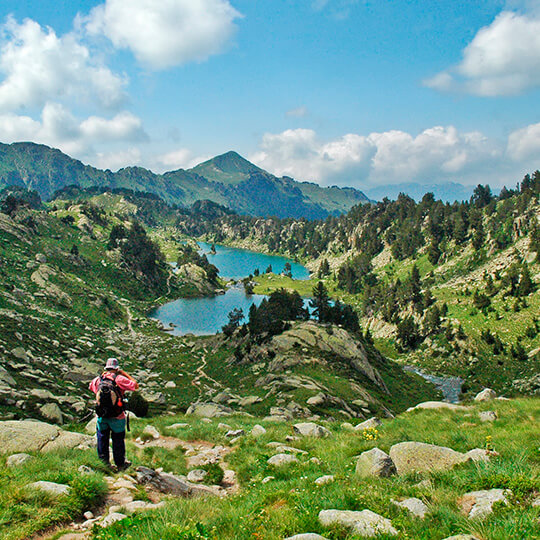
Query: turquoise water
[(204, 316), (238, 263)]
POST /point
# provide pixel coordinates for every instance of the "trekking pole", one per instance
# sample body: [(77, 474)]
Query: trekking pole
[(127, 420)]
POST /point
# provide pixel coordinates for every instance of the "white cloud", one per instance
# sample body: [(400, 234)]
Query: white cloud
[(117, 160), (438, 153), (299, 112), (525, 143), (60, 129), (181, 158), (39, 66), (502, 59), (165, 33)]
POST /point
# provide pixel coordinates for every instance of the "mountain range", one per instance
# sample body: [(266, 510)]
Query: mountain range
[(228, 179)]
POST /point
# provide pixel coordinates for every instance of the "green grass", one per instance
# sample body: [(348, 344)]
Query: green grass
[(290, 503)]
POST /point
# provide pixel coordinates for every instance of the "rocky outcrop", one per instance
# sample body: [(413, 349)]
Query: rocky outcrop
[(195, 276), (34, 436), (487, 394), (338, 343)]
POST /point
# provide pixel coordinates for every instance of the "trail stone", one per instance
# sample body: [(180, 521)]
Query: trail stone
[(51, 487), (479, 504), (487, 394), (257, 430), (422, 457), (364, 523), (375, 462), (88, 515), (171, 484), (17, 459), (306, 536), (311, 429), (414, 506), (282, 459), (170, 384), (487, 416), (368, 424), (223, 426), (112, 518)]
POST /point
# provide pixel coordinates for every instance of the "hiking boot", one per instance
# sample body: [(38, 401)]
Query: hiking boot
[(124, 466)]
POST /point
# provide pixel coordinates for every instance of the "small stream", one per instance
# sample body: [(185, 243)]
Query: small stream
[(449, 386)]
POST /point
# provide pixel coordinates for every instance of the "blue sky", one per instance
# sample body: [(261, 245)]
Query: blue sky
[(343, 92)]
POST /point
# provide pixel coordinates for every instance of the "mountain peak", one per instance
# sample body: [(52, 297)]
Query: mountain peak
[(228, 168)]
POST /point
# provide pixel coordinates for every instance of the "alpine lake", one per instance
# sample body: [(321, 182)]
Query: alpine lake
[(206, 316)]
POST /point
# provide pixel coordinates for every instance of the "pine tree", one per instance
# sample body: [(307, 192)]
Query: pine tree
[(320, 302)]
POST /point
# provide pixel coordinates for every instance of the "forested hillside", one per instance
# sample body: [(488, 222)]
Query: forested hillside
[(451, 287)]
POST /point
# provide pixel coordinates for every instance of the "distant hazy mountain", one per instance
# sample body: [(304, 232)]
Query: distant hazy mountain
[(228, 179), (448, 192)]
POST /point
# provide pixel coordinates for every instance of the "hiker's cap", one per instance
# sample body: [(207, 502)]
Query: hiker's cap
[(112, 363)]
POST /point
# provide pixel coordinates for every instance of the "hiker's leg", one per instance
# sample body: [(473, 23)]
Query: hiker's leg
[(103, 444), (119, 447)]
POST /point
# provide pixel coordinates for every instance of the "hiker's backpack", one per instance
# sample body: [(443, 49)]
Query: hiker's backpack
[(109, 399)]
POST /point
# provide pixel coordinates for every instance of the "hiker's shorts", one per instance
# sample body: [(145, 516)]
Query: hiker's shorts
[(116, 425)]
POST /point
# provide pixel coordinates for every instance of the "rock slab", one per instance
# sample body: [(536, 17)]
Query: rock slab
[(422, 457)]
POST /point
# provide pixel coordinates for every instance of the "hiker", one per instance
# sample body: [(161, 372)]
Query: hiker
[(109, 388)]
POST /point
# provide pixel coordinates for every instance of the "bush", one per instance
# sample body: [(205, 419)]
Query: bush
[(215, 474), (138, 405)]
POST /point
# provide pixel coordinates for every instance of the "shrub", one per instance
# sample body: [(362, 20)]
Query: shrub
[(215, 474)]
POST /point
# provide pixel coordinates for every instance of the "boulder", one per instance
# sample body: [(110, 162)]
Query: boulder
[(479, 504), (438, 405), (311, 429), (52, 488), (462, 537), (368, 424), (364, 523), (375, 462), (323, 480), (112, 518), (197, 475), (209, 410), (151, 431), (422, 457), (480, 454), (487, 394), (487, 416), (33, 436), (415, 506), (170, 384), (17, 459), (233, 433), (282, 459), (257, 430), (306, 536), (317, 400), (91, 426), (52, 412)]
